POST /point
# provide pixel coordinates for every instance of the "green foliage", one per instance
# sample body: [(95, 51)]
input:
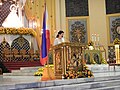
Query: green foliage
[(4, 69), (39, 72)]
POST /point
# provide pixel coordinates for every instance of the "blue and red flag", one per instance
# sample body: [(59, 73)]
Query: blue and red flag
[(45, 45)]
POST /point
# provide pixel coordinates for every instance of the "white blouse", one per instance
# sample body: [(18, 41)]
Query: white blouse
[(58, 41)]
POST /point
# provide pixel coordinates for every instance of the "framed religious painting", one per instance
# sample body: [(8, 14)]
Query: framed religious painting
[(77, 29), (113, 27)]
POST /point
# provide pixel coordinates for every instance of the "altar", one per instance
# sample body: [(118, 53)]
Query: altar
[(70, 56)]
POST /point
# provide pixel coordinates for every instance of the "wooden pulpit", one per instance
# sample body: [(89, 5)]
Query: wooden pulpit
[(67, 56)]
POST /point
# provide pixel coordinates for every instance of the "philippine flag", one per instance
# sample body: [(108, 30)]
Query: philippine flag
[(45, 45)]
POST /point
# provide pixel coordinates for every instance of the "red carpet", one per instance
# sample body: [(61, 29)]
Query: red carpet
[(16, 65)]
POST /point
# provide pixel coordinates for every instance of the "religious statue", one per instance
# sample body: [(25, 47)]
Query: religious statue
[(12, 19)]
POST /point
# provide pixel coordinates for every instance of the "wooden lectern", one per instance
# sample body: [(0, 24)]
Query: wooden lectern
[(67, 56)]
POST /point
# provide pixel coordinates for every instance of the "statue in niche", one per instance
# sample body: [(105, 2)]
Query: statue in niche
[(13, 9), (4, 9), (12, 19)]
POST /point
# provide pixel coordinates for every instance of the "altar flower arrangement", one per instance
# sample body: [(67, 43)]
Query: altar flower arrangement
[(90, 43), (116, 41), (82, 72), (39, 72), (20, 31)]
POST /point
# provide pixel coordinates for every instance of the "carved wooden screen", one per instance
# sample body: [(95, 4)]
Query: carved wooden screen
[(3, 44)]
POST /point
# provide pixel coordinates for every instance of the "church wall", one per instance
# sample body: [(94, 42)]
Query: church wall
[(97, 20), (97, 14), (34, 12), (97, 23), (60, 17)]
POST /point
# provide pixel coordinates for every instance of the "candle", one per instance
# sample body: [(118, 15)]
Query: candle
[(92, 37), (98, 37), (95, 37)]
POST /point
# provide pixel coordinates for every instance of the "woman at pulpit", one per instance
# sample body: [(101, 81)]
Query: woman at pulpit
[(59, 38)]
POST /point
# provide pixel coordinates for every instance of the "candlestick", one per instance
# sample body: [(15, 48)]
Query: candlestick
[(92, 37), (98, 39), (95, 37)]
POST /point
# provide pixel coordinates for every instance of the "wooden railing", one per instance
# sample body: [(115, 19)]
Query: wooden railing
[(22, 55)]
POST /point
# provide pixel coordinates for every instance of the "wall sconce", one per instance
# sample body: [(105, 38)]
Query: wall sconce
[(34, 24), (117, 53), (32, 1)]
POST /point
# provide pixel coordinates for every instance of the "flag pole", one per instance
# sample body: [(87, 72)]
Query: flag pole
[(48, 73), (48, 68), (48, 49)]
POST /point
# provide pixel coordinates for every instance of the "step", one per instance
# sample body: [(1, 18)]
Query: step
[(96, 68), (81, 86), (27, 68), (69, 84), (16, 65), (24, 71), (22, 63), (7, 74), (117, 87), (15, 71), (19, 74)]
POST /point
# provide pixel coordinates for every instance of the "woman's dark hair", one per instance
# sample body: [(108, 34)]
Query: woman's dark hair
[(60, 32)]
